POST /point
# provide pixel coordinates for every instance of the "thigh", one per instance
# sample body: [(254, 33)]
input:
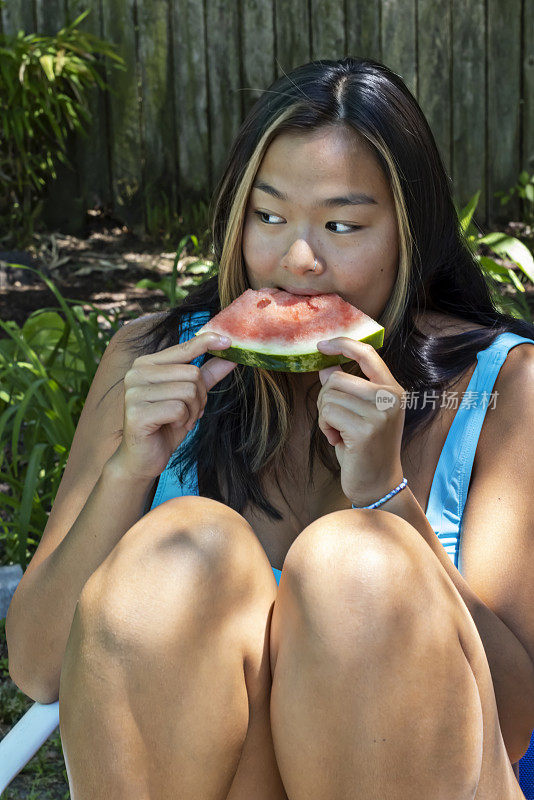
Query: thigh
[(347, 553), (201, 553), (184, 549)]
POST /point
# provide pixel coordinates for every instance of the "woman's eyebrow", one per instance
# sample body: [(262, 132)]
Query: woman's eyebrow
[(351, 199)]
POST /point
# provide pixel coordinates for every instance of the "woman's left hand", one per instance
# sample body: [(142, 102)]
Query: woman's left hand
[(363, 419)]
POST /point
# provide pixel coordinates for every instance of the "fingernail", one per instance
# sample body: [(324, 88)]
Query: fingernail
[(225, 340)]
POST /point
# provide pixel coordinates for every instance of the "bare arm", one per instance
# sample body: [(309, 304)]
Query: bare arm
[(94, 507), (41, 612), (123, 441)]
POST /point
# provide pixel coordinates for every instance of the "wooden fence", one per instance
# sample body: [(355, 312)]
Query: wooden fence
[(195, 67)]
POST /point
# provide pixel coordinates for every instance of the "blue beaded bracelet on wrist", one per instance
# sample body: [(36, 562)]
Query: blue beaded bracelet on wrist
[(394, 491)]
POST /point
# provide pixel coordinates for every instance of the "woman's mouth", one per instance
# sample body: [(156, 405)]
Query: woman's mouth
[(304, 292)]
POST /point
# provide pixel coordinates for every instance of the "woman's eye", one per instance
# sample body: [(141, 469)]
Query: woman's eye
[(262, 214), (345, 225)]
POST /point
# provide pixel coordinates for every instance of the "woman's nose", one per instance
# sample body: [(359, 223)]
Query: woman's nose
[(301, 257)]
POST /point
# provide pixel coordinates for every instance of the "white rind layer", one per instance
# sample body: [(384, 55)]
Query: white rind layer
[(360, 330)]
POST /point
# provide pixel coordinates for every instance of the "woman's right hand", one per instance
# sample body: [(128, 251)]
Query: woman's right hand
[(164, 396)]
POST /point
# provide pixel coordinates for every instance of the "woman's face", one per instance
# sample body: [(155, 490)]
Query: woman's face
[(288, 222)]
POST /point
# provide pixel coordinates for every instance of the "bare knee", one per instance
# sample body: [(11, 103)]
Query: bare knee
[(350, 568), (185, 566)]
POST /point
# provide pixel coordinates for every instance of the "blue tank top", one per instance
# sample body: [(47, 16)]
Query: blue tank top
[(448, 493)]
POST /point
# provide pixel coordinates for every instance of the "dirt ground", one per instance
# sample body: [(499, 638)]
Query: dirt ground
[(104, 266)]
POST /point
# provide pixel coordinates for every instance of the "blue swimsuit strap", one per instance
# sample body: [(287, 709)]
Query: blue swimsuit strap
[(450, 485)]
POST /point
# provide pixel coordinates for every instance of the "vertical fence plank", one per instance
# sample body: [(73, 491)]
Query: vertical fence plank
[(258, 50), (18, 16), (62, 208), (191, 99), (434, 79), (527, 156), (224, 80), (398, 41), (504, 47), (293, 45), (50, 16), (119, 26), (469, 103), (363, 29), (327, 29), (192, 73), (92, 150), (157, 106)]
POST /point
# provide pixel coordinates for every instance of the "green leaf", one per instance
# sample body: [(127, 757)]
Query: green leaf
[(495, 269), (516, 251), (47, 63), (21, 415), (517, 283), (146, 283), (466, 214), (30, 484)]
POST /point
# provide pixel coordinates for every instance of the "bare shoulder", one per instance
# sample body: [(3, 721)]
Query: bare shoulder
[(519, 363), (497, 552), (135, 328)]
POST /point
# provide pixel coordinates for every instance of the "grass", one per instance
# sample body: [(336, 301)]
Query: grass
[(45, 776)]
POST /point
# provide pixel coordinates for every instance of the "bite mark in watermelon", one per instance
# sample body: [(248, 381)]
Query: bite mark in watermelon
[(277, 330)]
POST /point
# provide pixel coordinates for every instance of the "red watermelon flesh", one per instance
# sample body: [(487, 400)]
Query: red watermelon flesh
[(274, 329)]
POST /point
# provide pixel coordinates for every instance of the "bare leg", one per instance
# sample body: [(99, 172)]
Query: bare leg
[(373, 695), (168, 638)]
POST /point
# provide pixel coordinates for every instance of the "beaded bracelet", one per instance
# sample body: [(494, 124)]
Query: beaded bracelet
[(394, 491)]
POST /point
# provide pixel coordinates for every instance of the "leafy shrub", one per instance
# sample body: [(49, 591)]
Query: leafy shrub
[(44, 89), (524, 188), (46, 369), (164, 224), (196, 272), (497, 274)]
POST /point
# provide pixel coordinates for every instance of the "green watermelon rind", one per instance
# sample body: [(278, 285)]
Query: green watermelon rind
[(301, 362)]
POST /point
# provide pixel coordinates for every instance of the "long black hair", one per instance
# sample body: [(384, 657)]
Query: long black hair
[(247, 417)]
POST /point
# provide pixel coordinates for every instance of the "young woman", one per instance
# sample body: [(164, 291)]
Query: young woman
[(395, 657)]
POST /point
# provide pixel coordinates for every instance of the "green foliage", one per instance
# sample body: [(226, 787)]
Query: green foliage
[(46, 369), (166, 225), (497, 274), (524, 188), (45, 82), (196, 272)]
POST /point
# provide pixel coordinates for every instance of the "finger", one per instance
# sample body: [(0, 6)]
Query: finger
[(215, 370), (329, 425), (359, 405), (186, 352), (377, 396), (324, 374), (371, 364), (154, 415), (148, 374), (342, 424), (188, 392)]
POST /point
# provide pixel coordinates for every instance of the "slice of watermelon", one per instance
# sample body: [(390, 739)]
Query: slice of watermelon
[(277, 330)]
